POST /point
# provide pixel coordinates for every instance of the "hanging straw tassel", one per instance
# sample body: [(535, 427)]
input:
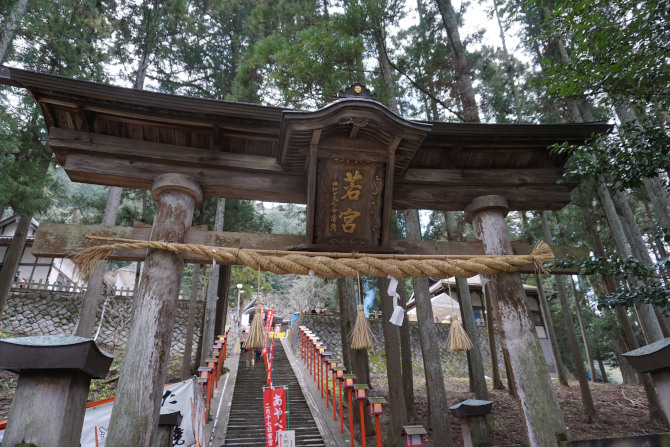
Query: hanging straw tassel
[(458, 338), (361, 336), (256, 337)]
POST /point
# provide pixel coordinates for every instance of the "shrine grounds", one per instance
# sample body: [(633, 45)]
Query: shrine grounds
[(622, 408)]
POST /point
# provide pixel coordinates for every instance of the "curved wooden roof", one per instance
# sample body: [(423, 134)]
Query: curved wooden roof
[(125, 137)]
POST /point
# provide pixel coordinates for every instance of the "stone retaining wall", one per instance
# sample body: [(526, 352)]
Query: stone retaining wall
[(454, 364), (47, 312)]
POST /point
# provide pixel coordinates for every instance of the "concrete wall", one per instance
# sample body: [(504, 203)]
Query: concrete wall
[(454, 364), (46, 312)]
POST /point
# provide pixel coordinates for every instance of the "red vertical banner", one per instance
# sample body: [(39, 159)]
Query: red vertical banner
[(274, 414), (268, 321), (268, 325), (269, 360)]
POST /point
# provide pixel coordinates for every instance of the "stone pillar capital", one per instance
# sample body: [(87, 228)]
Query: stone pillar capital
[(176, 182), (483, 203)]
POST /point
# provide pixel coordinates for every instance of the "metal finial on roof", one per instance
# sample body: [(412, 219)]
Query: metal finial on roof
[(357, 90)]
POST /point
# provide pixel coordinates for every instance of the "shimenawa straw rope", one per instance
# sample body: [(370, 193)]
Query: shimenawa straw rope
[(332, 265)]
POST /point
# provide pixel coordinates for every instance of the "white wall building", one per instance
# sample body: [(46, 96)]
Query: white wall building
[(32, 269)]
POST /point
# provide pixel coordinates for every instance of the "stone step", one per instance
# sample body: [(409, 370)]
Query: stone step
[(246, 425)]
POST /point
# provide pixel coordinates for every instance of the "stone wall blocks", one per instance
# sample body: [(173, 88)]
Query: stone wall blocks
[(51, 313)]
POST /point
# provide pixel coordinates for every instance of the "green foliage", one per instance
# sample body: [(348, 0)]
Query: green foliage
[(243, 216), (637, 150), (286, 218), (298, 56), (613, 266), (26, 185), (640, 276), (146, 34), (65, 37), (619, 48), (643, 293)]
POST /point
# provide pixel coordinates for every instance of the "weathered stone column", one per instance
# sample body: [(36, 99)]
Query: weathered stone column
[(55, 373), (655, 359), (541, 411), (136, 410)]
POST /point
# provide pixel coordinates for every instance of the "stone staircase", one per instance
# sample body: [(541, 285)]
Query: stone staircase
[(245, 425)]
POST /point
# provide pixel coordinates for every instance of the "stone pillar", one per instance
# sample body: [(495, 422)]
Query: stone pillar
[(539, 405), (55, 373), (654, 358), (473, 413), (134, 419), (166, 425)]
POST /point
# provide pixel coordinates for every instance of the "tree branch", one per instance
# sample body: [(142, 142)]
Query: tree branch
[(422, 89)]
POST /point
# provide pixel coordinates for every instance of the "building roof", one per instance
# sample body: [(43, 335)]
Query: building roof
[(125, 137)]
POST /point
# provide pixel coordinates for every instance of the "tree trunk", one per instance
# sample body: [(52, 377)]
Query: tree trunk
[(385, 71), (466, 93), (212, 289), (199, 351), (655, 187), (89, 304), (187, 360), (648, 320), (475, 357), (13, 258), (490, 329), (663, 320), (406, 358), (582, 328), (639, 248), (578, 312), (627, 372), (535, 392), (437, 402), (223, 301), (397, 408), (511, 74), (561, 371), (134, 419), (475, 364), (603, 372), (628, 342), (345, 321), (590, 414), (9, 25), (659, 198), (618, 334)]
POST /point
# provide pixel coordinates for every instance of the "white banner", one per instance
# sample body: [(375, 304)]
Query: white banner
[(184, 397)]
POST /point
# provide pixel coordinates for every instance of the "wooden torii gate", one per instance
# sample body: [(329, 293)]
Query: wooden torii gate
[(351, 163)]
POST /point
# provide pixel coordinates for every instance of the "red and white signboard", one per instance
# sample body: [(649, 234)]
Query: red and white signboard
[(286, 438), (274, 414)]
